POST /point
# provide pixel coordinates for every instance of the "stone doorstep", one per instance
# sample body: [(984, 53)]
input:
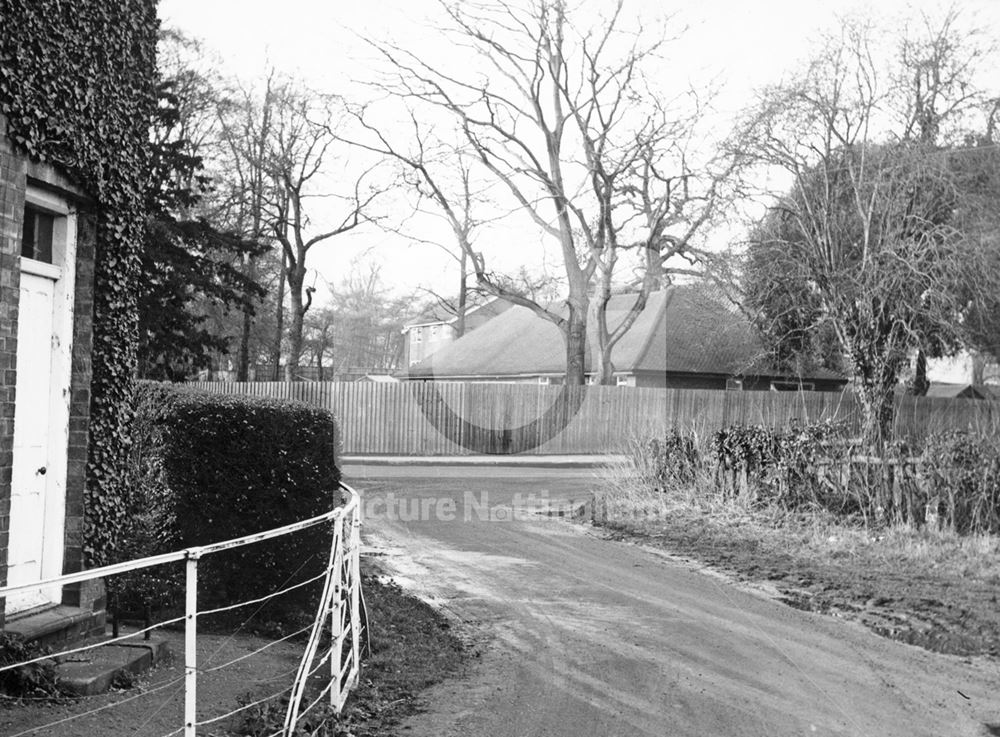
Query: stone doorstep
[(49, 625), (94, 671)]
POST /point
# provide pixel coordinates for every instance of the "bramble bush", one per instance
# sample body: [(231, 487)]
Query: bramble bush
[(961, 481), (788, 467), (33, 681), (671, 460), (952, 481), (206, 468)]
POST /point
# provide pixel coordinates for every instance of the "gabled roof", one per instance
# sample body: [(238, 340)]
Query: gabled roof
[(438, 314), (956, 391), (684, 329)]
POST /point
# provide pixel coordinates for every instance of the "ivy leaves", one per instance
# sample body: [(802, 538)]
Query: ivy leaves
[(77, 89)]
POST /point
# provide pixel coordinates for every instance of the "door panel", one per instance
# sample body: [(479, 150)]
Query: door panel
[(31, 439)]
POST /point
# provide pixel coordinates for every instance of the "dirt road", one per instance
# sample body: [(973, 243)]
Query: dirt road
[(594, 637)]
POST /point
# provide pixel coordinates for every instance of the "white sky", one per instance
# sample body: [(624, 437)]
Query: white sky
[(741, 43)]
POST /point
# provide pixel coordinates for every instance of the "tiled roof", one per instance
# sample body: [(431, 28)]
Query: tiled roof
[(438, 314), (952, 391), (684, 329)]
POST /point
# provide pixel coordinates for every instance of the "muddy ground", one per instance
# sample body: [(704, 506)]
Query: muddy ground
[(939, 611), (412, 648)]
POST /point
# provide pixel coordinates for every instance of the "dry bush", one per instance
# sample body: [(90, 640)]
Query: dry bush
[(952, 482)]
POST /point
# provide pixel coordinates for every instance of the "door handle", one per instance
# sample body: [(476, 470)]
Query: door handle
[(41, 471)]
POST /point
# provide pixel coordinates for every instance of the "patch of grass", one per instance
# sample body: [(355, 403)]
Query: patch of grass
[(628, 501)]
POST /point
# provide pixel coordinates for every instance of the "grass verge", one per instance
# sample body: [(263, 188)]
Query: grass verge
[(934, 589), (412, 648)]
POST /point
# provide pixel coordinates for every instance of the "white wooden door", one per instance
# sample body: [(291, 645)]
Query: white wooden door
[(30, 474)]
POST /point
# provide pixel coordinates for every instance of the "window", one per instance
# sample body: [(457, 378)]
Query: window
[(36, 236), (544, 380), (791, 386), (623, 381), (418, 335), (734, 385)]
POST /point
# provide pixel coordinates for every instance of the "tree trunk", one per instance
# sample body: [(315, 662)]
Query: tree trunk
[(295, 329), (243, 359), (978, 369), (919, 385), (576, 345), (607, 369), (279, 324), (462, 295)]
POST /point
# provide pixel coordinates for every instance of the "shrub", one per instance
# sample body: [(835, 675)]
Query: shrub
[(206, 468), (671, 460), (960, 481), (953, 481), (37, 679)]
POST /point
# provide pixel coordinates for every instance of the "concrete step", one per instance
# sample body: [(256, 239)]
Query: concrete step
[(57, 626), (96, 671)]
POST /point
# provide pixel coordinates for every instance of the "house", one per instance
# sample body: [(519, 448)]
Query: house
[(437, 328), (942, 390), (686, 337), (965, 367), (47, 248)]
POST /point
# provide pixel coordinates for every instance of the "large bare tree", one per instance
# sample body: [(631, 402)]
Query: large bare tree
[(559, 114)]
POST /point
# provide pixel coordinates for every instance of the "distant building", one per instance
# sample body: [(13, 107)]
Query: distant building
[(957, 391), (437, 328), (963, 368), (685, 338)]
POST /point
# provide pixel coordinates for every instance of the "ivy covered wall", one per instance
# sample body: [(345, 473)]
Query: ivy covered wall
[(76, 89)]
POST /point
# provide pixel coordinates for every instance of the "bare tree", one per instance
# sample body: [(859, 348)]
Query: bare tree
[(243, 188), (866, 232), (286, 144), (939, 100), (361, 326), (563, 119)]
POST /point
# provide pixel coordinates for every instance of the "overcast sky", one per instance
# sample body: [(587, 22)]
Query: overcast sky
[(741, 43)]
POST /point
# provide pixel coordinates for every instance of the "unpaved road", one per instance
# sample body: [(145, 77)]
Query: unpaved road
[(594, 637)]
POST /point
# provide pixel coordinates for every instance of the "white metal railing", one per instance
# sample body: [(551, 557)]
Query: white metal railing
[(339, 605)]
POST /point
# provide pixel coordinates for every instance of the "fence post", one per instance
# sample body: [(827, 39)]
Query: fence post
[(191, 642), (355, 597), (336, 616)]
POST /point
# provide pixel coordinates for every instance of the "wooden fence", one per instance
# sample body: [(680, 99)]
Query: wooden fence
[(451, 418)]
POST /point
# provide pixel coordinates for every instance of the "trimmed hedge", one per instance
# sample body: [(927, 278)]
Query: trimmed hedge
[(206, 468)]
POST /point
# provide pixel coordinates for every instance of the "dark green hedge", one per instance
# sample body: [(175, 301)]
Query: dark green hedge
[(206, 468)]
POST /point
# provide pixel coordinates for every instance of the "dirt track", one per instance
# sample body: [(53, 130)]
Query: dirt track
[(594, 637)]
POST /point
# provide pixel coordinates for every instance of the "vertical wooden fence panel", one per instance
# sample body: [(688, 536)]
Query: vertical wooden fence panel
[(451, 418)]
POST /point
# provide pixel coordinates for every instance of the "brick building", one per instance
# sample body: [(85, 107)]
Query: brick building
[(47, 242)]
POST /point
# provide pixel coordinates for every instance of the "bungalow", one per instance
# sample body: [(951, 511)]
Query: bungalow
[(686, 337), (47, 243)]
